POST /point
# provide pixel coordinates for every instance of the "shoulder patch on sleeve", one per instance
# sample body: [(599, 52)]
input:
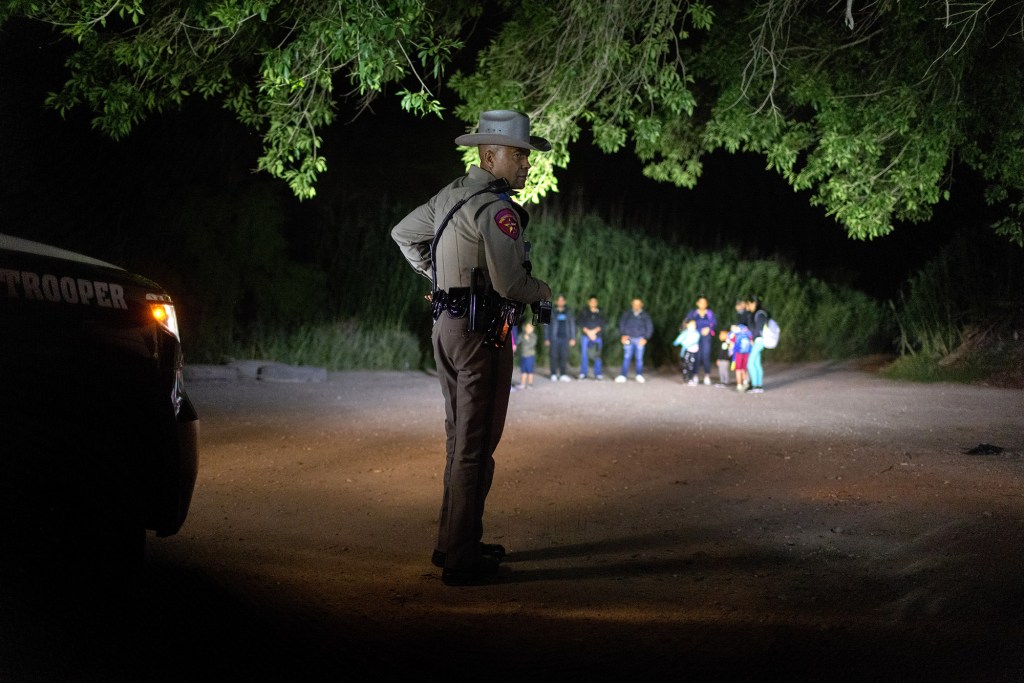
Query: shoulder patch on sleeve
[(508, 222)]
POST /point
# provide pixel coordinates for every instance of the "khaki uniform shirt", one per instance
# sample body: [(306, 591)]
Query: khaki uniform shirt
[(485, 233)]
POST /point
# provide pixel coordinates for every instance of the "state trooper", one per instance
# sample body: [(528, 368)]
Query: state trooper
[(468, 239)]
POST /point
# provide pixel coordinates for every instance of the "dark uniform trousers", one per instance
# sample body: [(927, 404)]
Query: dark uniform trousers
[(475, 381)]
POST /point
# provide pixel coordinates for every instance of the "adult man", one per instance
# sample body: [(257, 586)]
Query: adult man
[(469, 236), (561, 335), (591, 321), (636, 327)]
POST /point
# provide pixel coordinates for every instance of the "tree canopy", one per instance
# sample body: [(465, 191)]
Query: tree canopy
[(870, 106)]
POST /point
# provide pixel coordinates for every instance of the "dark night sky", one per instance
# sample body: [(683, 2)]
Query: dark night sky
[(54, 171)]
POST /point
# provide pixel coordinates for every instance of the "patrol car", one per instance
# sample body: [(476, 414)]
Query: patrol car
[(99, 438)]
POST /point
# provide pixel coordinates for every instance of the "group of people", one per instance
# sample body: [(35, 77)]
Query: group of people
[(635, 328), (738, 348), (469, 241)]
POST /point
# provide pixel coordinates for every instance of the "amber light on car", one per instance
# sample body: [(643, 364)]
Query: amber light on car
[(164, 314)]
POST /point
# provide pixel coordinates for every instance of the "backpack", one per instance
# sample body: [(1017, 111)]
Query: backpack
[(770, 334)]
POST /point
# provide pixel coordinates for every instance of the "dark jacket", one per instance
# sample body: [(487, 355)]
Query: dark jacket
[(589, 319), (562, 325), (758, 320), (707, 320), (639, 325)]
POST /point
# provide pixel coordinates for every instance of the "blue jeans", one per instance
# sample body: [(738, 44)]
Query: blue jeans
[(630, 350), (704, 355), (754, 368), (585, 345)]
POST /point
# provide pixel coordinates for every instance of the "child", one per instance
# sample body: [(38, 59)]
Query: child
[(742, 341), (689, 340), (527, 344), (722, 357)]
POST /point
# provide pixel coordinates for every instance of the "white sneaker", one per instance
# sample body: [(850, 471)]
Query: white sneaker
[(565, 378), (598, 377), (692, 382), (707, 381), (582, 376), (640, 378), (554, 378), (620, 379)]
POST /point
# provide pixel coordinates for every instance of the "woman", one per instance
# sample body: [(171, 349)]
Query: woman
[(705, 319), (758, 319)]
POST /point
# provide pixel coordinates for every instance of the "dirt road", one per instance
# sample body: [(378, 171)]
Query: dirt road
[(832, 528)]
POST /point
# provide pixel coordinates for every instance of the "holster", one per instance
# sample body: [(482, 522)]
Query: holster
[(493, 315), (489, 314), (504, 317)]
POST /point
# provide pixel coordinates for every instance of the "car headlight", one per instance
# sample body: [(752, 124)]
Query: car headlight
[(164, 314)]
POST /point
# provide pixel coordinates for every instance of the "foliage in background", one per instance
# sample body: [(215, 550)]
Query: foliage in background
[(962, 315), (580, 255), (866, 106), (227, 253), (617, 67), (326, 286), (276, 65), (379, 319), (342, 345), (869, 106)]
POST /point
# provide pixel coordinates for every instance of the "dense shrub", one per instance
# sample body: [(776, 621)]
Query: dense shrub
[(387, 323)]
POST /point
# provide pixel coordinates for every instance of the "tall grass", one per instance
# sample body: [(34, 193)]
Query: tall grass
[(381, 320), (580, 255), (342, 345), (968, 294), (324, 284), (971, 282)]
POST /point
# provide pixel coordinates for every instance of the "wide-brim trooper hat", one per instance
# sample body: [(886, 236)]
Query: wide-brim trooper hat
[(504, 127)]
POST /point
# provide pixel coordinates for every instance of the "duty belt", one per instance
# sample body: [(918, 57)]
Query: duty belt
[(495, 315), (454, 302)]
